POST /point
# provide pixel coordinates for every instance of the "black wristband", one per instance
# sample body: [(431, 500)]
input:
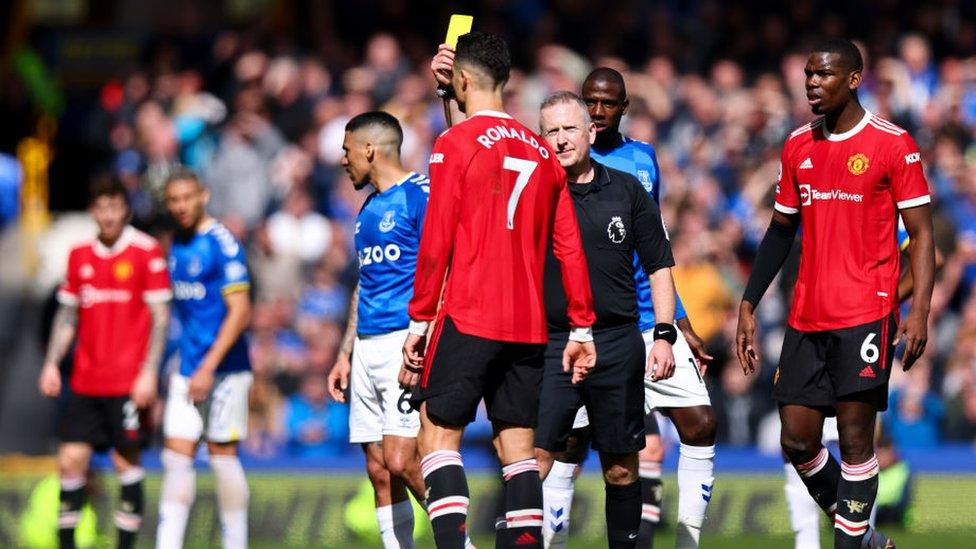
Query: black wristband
[(773, 250), (665, 331)]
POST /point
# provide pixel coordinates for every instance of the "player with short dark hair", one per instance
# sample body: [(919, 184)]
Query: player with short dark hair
[(115, 298), (387, 237), (498, 197), (845, 177), (208, 396), (618, 220)]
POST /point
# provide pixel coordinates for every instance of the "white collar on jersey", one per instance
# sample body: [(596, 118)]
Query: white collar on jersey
[(101, 250), (849, 133), (488, 112)]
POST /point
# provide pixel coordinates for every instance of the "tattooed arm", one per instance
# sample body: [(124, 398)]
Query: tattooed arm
[(62, 334)]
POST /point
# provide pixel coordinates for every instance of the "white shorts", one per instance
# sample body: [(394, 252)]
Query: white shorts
[(225, 410), (684, 389), (379, 406)]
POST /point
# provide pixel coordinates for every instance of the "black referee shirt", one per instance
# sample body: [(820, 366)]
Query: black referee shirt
[(616, 217)]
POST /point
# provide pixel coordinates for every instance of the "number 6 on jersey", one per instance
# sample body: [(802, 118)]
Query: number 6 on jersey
[(524, 169)]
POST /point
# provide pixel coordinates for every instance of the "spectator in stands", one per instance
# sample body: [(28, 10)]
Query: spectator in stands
[(315, 425)]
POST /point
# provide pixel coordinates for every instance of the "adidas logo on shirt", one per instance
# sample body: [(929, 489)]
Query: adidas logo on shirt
[(807, 164)]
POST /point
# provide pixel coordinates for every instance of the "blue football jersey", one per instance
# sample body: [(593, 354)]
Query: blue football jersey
[(203, 269), (387, 239), (639, 159)]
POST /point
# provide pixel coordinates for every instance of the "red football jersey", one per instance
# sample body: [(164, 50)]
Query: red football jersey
[(111, 287), (497, 195), (848, 189)]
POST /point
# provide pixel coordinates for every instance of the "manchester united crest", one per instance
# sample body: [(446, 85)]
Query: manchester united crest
[(858, 163), (122, 270)]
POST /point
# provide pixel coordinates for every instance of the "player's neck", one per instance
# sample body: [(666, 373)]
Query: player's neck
[(607, 140), (582, 172), (483, 100), (386, 176), (205, 223), (844, 120)]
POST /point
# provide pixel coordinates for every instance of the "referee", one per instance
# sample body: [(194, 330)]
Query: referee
[(616, 218)]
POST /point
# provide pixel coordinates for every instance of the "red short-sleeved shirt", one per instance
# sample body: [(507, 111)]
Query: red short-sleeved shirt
[(497, 196), (111, 287), (848, 189)]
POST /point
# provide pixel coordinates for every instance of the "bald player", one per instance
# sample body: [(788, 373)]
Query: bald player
[(682, 397), (387, 238)]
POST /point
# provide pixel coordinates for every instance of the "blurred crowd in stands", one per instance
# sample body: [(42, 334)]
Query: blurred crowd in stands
[(264, 126)]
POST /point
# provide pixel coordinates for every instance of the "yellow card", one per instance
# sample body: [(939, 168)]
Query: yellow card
[(460, 24)]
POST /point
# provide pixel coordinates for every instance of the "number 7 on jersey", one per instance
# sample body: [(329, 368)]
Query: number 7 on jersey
[(524, 169)]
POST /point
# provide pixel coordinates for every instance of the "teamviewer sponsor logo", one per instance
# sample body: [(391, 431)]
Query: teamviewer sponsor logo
[(808, 194)]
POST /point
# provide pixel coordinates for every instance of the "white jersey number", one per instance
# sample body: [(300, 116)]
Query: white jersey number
[(870, 351), (524, 169)]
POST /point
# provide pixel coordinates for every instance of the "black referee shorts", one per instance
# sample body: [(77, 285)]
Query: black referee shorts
[(462, 369), (613, 393)]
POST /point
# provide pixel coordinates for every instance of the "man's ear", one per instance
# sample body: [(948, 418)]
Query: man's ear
[(624, 105), (854, 81), (370, 151)]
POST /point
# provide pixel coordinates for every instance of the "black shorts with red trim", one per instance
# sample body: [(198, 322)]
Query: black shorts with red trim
[(817, 369), (103, 422), (461, 369)]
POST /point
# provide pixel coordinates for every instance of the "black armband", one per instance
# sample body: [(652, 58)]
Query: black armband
[(773, 250), (665, 331)]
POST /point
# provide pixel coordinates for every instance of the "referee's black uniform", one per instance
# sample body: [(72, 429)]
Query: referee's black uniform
[(617, 217)]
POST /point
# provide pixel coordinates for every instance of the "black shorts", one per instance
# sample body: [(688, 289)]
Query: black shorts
[(103, 422), (817, 369), (462, 369), (613, 393)]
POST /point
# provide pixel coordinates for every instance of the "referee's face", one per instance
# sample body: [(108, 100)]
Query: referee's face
[(565, 128)]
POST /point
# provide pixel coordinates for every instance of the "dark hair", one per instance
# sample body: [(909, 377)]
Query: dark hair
[(606, 74), (849, 55), (107, 185), (382, 119), (182, 174), (487, 52)]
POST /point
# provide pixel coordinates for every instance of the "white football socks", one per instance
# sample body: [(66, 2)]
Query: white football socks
[(804, 511), (695, 467), (557, 501), (176, 497), (232, 498)]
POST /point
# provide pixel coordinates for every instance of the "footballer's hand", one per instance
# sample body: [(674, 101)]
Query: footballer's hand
[(660, 361), (579, 358), (914, 331), (413, 360), (338, 380), (49, 383), (745, 338), (144, 389), (442, 65), (200, 385), (697, 349)]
